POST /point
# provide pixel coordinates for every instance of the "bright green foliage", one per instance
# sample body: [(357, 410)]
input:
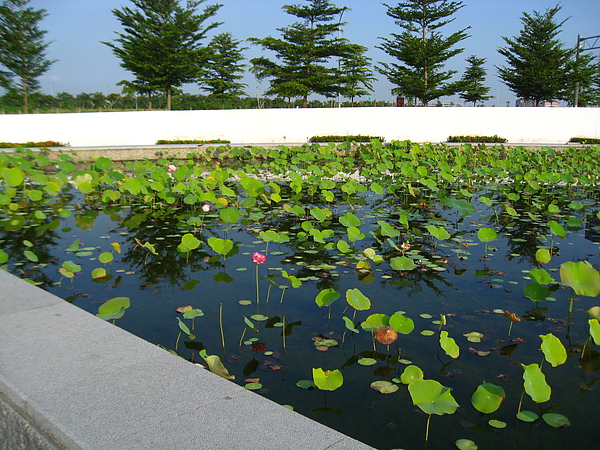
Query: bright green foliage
[(113, 308), (402, 263), (326, 297), (410, 374), (537, 61), (540, 276), (22, 49), (554, 350), (401, 323), (328, 380), (581, 277), (487, 234), (431, 397), (535, 384), (161, 43), (421, 49), (595, 330), (304, 51), (449, 345), (221, 246), (440, 233), (357, 300), (487, 398)]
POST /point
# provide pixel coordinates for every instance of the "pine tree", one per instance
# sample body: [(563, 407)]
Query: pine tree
[(586, 78), (421, 49), (472, 81), (22, 49), (357, 77), (304, 52), (538, 62), (161, 43), (224, 68)]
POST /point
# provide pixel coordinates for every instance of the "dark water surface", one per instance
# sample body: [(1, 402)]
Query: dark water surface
[(462, 278)]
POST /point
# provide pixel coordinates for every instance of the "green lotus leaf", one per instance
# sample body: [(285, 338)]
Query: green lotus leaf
[(431, 397), (581, 277)]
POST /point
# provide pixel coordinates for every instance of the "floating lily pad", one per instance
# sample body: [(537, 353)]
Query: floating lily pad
[(385, 387), (367, 361)]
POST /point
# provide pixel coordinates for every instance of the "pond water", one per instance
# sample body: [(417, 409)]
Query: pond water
[(455, 256)]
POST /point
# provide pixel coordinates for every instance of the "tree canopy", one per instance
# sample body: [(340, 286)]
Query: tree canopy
[(161, 43), (422, 49), (224, 68), (306, 53), (472, 87), (538, 64), (22, 49)]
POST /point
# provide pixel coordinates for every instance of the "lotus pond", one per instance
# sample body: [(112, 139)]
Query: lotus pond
[(407, 295)]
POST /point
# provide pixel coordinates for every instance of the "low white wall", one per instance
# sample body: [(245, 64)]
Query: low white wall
[(518, 125)]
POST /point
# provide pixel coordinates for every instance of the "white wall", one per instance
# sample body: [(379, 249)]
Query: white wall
[(518, 125)]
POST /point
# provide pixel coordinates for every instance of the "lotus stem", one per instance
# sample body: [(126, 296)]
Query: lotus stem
[(242, 336), (177, 341), (257, 292), (221, 326), (282, 294), (510, 328), (283, 332), (427, 429)]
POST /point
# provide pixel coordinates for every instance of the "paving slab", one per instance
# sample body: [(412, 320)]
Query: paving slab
[(90, 384)]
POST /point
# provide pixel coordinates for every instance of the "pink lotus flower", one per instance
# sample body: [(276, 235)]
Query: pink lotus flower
[(206, 207), (172, 168), (258, 258)]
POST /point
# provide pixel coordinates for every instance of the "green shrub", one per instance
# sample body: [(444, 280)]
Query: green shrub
[(495, 139), (31, 144), (349, 138), (192, 141), (584, 140)]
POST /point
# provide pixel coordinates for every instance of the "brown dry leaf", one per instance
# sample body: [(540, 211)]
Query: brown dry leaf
[(478, 352), (322, 348)]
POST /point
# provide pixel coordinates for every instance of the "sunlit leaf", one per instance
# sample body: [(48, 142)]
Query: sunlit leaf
[(449, 345), (582, 277), (431, 397), (487, 398), (410, 374), (535, 384), (329, 380), (113, 308), (553, 349), (357, 300), (402, 263)]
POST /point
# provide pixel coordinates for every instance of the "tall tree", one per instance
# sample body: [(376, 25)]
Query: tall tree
[(305, 50), (537, 61), (224, 68), (585, 72), (356, 74), (161, 43), (472, 87), (421, 49), (22, 48)]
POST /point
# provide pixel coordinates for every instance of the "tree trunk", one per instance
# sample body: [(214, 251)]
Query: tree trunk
[(25, 96), (305, 101), (169, 93)]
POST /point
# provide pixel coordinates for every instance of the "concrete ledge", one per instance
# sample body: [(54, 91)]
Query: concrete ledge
[(88, 384)]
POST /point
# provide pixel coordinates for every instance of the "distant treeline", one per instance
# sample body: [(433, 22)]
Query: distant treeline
[(97, 101)]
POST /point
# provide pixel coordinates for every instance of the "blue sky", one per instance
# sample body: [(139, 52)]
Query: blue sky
[(77, 28)]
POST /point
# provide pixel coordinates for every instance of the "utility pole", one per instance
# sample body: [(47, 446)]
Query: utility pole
[(583, 44)]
